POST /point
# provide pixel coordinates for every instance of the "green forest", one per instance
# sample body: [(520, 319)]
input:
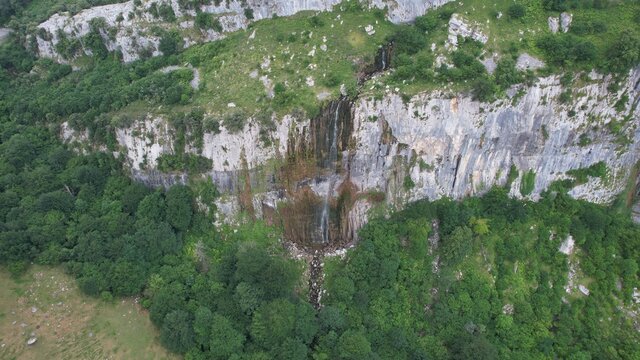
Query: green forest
[(479, 278)]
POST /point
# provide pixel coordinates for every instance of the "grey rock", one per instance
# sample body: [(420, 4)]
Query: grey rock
[(133, 36), (565, 21), (554, 24), (490, 64), (468, 146), (458, 26), (4, 34), (528, 62)]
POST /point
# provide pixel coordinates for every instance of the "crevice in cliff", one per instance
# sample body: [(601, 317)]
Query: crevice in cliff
[(455, 173), (381, 62)]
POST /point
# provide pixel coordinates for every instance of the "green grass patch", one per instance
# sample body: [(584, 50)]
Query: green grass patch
[(528, 183), (286, 54), (597, 170), (68, 324)]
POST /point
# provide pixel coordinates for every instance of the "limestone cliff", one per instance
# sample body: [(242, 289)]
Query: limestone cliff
[(431, 146), (129, 28)]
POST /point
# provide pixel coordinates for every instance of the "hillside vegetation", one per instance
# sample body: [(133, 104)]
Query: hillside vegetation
[(480, 278)]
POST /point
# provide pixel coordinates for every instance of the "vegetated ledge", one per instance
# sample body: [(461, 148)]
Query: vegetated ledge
[(134, 29)]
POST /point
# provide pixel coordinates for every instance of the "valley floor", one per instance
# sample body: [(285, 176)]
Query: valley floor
[(45, 303)]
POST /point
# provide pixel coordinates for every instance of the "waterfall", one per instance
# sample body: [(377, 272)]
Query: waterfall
[(384, 58), (331, 163)]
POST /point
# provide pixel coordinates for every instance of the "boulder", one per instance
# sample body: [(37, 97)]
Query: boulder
[(565, 21), (458, 26), (528, 62), (554, 24)]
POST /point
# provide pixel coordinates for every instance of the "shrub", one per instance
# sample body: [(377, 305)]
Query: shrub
[(516, 11), (408, 40), (483, 89), (427, 22), (282, 97), (408, 183), (624, 52), (506, 73), (597, 170), (234, 122), (170, 44), (248, 13), (208, 21), (528, 183), (211, 125), (165, 11), (316, 21)]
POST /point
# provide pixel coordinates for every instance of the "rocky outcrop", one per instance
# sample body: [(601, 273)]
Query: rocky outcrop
[(458, 26), (563, 22), (130, 28), (4, 34), (396, 151), (554, 24), (458, 147), (528, 62)]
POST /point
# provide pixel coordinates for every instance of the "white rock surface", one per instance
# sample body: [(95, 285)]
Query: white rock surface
[(369, 30), (133, 35), (567, 245), (472, 145), (468, 146), (4, 34), (458, 26), (528, 62), (554, 24), (583, 289), (490, 63), (565, 21)]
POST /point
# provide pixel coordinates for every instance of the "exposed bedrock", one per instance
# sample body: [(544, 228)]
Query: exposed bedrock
[(387, 150), (129, 28)]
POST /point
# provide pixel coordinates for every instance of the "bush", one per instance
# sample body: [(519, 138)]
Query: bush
[(170, 44), (566, 48), (191, 163), (528, 183), (624, 53), (427, 22), (483, 89), (316, 21), (165, 11), (211, 125), (408, 183), (408, 40), (282, 97), (234, 122), (516, 11), (506, 73), (248, 13), (597, 170), (208, 21)]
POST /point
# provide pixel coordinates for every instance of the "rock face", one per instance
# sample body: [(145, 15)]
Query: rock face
[(457, 147), (554, 24), (458, 26), (565, 21), (528, 62), (4, 34), (128, 28), (392, 151), (560, 23)]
